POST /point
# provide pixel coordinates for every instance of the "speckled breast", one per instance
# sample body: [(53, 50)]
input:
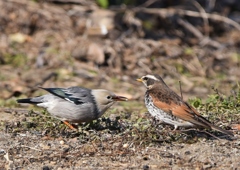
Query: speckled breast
[(157, 112)]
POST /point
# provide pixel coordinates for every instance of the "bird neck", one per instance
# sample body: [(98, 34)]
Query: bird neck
[(103, 108)]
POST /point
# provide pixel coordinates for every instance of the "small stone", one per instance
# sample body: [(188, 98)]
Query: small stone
[(145, 167), (45, 147), (2, 151), (59, 168), (207, 166), (53, 163), (66, 149), (126, 145), (46, 168), (61, 142), (84, 161)]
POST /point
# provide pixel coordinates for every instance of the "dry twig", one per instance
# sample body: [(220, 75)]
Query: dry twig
[(170, 12)]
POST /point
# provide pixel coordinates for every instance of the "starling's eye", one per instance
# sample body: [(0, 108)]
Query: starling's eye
[(109, 97), (145, 78)]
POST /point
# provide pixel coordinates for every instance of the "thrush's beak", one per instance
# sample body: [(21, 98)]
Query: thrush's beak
[(140, 80), (119, 98)]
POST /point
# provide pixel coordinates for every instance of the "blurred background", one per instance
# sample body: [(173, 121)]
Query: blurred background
[(108, 44)]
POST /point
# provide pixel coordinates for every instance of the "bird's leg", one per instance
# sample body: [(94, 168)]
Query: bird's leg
[(175, 128), (69, 125), (156, 122)]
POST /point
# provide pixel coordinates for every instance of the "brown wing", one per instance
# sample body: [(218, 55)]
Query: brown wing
[(182, 111)]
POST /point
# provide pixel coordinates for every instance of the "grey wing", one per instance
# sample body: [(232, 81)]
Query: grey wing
[(76, 95)]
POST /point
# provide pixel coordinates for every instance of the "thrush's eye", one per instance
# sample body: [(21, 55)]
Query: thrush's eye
[(145, 78), (109, 97)]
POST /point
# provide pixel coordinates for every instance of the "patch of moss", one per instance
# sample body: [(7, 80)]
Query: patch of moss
[(18, 60), (188, 51), (148, 24), (8, 103), (114, 80), (235, 57), (64, 74), (103, 3)]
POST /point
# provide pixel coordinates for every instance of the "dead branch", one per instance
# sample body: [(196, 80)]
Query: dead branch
[(190, 28), (203, 39), (171, 11), (204, 17)]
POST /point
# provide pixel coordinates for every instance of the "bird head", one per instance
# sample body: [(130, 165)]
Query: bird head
[(105, 99), (150, 80)]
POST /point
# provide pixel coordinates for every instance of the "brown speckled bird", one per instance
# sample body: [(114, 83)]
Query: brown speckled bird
[(165, 105)]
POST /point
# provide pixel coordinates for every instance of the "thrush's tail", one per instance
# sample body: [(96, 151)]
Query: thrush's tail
[(201, 121), (221, 130), (206, 124)]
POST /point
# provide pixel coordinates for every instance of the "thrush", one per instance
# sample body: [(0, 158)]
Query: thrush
[(75, 104), (167, 106)]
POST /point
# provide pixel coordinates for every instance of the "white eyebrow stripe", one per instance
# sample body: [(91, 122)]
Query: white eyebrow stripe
[(152, 77)]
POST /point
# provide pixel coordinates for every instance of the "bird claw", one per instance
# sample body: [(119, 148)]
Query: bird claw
[(70, 126)]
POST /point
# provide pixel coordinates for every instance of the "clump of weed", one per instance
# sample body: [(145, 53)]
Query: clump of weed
[(220, 108), (17, 60)]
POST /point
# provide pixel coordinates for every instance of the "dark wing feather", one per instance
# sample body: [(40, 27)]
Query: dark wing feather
[(76, 95)]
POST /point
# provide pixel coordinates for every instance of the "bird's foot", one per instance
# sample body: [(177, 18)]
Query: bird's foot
[(175, 128), (70, 126), (155, 122)]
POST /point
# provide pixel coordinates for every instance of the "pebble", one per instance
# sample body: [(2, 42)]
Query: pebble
[(61, 142), (126, 145), (59, 168), (46, 168), (53, 163), (45, 147), (2, 151), (145, 167)]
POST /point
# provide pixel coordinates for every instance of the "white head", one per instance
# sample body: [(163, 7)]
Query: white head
[(105, 99)]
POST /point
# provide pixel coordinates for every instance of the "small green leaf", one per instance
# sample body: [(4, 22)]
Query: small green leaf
[(103, 3)]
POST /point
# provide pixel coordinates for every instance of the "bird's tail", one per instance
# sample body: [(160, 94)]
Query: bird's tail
[(206, 124), (221, 130), (35, 100)]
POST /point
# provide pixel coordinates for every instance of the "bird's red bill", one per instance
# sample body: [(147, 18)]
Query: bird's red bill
[(119, 98)]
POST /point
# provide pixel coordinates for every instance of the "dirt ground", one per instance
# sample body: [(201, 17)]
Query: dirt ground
[(78, 43), (48, 144)]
